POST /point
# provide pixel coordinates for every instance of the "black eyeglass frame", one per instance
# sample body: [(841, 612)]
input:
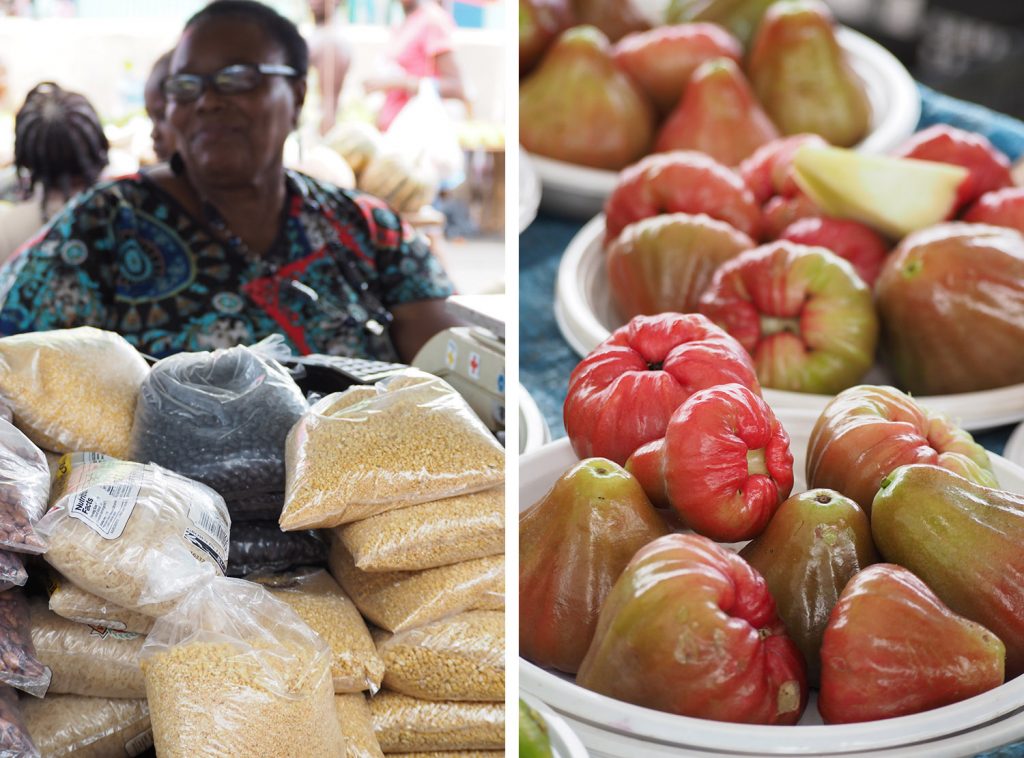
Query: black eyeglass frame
[(204, 80)]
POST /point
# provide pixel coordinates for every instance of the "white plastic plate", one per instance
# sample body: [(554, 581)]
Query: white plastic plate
[(610, 727), (564, 742), (586, 316), (579, 191), (533, 428), (1014, 450), (529, 191)]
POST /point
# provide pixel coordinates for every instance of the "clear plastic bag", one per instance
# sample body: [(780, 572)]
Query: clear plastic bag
[(88, 727), (137, 535), (461, 657), (262, 546), (233, 671), (15, 738), (258, 506), (320, 602), (433, 534), (12, 571), (423, 127), (19, 666), (75, 604), (220, 417), (24, 490), (357, 726), (399, 600), (73, 389), (404, 724), (87, 660), (410, 439)]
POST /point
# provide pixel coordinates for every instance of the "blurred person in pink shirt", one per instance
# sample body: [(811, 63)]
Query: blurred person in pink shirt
[(420, 48)]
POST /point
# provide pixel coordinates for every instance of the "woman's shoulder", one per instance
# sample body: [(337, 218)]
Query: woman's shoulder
[(125, 190), (352, 207)]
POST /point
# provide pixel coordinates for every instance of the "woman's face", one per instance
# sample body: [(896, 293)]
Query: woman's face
[(232, 140)]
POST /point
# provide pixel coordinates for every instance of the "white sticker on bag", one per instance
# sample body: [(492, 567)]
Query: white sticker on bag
[(214, 525), (105, 508)]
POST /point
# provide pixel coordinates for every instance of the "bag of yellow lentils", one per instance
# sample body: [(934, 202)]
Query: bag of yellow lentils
[(410, 439), (234, 671)]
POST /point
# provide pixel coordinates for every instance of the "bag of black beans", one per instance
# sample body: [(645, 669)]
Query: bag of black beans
[(261, 546), (220, 417)]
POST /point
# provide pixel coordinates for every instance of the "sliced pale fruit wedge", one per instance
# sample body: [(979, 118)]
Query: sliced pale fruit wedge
[(896, 196)]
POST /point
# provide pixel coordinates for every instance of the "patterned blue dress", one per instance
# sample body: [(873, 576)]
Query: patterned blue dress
[(126, 256)]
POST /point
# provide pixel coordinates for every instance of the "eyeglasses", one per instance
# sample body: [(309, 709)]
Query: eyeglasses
[(232, 80)]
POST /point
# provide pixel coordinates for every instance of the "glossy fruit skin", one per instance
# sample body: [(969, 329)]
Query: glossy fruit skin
[(867, 431), (615, 18), (802, 78), (963, 540), (680, 182), (802, 313), (769, 170), (664, 263), (893, 648), (540, 22), (740, 17), (816, 541), (989, 168), (573, 544), (718, 115), (623, 394), (607, 124), (951, 299), (662, 60), (724, 465), (689, 628), (1004, 207), (780, 212), (860, 245)]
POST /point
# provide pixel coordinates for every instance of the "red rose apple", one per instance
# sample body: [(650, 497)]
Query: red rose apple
[(852, 241), (1004, 207)]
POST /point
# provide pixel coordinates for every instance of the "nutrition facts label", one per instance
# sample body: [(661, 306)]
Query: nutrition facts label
[(105, 508)]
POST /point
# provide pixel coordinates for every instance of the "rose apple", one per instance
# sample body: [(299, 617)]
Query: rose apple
[(662, 60), (573, 544), (723, 466), (814, 544), (951, 300), (607, 123), (690, 628), (769, 171), (741, 17), (718, 116), (892, 648), (540, 22), (615, 18), (623, 394), (663, 263), (1003, 207), (865, 432), (680, 182), (801, 312), (779, 213), (988, 168), (863, 248)]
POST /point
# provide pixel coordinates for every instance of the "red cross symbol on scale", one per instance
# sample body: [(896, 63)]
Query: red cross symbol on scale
[(474, 364)]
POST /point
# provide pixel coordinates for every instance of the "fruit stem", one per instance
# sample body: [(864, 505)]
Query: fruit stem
[(755, 462), (775, 324)]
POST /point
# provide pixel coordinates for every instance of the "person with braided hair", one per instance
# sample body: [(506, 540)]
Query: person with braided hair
[(222, 245), (59, 150)]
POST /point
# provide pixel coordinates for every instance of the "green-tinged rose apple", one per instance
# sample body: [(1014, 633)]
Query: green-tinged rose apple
[(951, 300), (801, 312), (540, 22), (663, 263), (578, 107), (866, 432), (896, 196), (573, 544)]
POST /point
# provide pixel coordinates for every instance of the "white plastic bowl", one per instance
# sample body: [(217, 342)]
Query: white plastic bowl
[(586, 316), (609, 727), (564, 742), (579, 191), (533, 428), (529, 191)]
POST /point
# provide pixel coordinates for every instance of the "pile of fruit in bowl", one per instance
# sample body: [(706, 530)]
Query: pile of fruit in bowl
[(601, 88), (673, 567)]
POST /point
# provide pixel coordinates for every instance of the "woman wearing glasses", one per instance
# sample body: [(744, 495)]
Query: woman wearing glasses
[(224, 246)]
